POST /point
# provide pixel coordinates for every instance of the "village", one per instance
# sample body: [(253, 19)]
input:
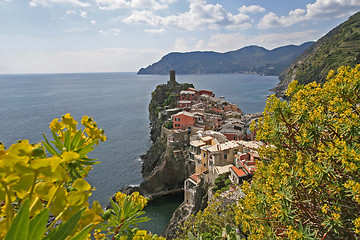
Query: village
[(215, 133)]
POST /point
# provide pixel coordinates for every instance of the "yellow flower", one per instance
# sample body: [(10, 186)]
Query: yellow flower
[(324, 208), (87, 122), (69, 121), (56, 126)]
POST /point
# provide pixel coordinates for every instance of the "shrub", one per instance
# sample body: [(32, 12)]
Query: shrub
[(308, 186), (35, 184)]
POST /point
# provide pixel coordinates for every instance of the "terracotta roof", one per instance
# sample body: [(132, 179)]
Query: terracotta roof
[(238, 171)]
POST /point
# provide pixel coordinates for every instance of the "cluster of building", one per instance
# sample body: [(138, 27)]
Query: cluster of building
[(218, 142), (200, 110)]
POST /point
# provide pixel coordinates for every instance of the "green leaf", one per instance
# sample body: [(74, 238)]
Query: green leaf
[(65, 229), (87, 162), (85, 150), (76, 140), (49, 148), (228, 228), (58, 144), (80, 143), (19, 227), (115, 207), (37, 225), (67, 141), (83, 233)]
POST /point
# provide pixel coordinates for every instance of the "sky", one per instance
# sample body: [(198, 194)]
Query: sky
[(71, 36)]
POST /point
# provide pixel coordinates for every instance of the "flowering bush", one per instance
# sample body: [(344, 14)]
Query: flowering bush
[(35, 184), (308, 186)]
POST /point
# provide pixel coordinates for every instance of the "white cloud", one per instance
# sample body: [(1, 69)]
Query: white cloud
[(139, 4), (70, 12), (251, 9), (83, 14), (168, 1), (151, 4), (48, 3), (181, 45), (155, 30), (200, 45), (233, 41), (93, 22), (112, 4), (321, 9), (111, 32), (272, 20), (332, 8), (200, 16)]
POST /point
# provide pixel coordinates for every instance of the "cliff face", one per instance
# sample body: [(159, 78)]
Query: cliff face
[(165, 165), (168, 173), (164, 95), (184, 211)]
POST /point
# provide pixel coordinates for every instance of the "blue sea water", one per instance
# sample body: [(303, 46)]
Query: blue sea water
[(118, 102)]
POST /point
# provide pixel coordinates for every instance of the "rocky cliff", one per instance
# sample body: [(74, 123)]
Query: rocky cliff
[(165, 166), (184, 211)]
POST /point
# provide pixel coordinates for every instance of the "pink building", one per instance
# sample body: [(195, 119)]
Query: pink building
[(183, 120)]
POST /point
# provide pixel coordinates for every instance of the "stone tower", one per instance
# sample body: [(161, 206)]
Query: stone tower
[(172, 80)]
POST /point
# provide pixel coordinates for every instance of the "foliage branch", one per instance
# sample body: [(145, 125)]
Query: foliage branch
[(308, 186)]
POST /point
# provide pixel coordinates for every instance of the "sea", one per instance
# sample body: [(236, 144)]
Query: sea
[(118, 102)]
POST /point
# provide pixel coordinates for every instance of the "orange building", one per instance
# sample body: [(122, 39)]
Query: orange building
[(183, 120)]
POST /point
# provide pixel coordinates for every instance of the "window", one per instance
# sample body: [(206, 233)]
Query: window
[(177, 119), (204, 164), (204, 154), (177, 125), (225, 156), (234, 138)]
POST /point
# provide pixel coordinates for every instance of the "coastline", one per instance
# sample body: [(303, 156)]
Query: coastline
[(166, 164)]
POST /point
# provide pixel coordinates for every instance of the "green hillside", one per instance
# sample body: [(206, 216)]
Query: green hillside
[(341, 46), (253, 59)]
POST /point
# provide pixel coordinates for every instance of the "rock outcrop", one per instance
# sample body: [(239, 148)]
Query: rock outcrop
[(165, 166), (184, 211)]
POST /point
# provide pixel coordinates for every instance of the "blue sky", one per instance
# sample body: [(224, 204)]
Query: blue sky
[(60, 36)]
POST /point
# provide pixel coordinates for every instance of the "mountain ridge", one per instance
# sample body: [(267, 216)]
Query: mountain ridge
[(340, 46), (254, 59)]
